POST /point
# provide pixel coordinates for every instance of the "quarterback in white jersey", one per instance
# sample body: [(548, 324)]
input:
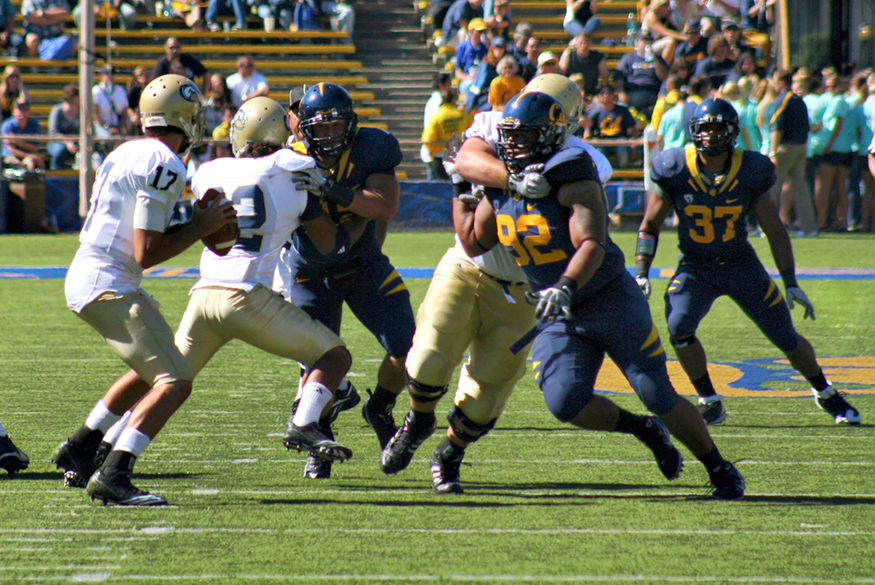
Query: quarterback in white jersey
[(471, 301), (126, 231), (232, 299)]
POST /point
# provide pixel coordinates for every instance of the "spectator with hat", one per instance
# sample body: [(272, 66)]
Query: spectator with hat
[(110, 105), (692, 50), (470, 53), (732, 34), (477, 99), (640, 74), (548, 62), (456, 22), (521, 35), (580, 57)]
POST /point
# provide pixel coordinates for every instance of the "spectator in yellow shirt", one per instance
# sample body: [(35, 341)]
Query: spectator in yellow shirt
[(449, 119), (507, 84)]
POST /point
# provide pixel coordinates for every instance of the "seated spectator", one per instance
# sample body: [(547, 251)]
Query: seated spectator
[(477, 99), (499, 22), (44, 34), (580, 17), (745, 66), (218, 99), (657, 20), (692, 50), (548, 62), (448, 119), (507, 84), (717, 64), (111, 108), (470, 54), (11, 90), (307, 16), (641, 73), (192, 67), (580, 57), (115, 11), (529, 61), (521, 35), (610, 120), (64, 121), (717, 10), (247, 83), (222, 149), (583, 120), (236, 7), (19, 153), (460, 13), (139, 79), (737, 45), (10, 43)]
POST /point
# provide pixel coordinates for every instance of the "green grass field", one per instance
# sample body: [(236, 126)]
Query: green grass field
[(544, 502)]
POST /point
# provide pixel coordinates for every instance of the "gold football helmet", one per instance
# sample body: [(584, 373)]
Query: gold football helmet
[(565, 92), (261, 120), (174, 101)]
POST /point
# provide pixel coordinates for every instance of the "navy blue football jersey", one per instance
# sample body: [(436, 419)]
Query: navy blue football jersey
[(373, 151), (535, 231), (712, 209)]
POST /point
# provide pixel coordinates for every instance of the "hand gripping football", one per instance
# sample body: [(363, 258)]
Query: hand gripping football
[(219, 242)]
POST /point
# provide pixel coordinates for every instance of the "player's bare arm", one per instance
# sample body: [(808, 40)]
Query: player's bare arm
[(379, 198), (480, 232), (153, 247), (478, 164), (587, 227)]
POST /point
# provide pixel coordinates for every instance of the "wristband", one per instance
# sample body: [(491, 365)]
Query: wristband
[(647, 242), (567, 282), (340, 194), (642, 269)]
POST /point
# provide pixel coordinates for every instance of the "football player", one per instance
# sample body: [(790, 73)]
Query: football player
[(12, 458), (478, 302), (713, 187), (126, 231), (355, 179), (232, 299), (587, 304)]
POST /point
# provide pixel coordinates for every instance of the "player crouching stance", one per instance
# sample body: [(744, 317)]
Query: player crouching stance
[(232, 299), (587, 303)]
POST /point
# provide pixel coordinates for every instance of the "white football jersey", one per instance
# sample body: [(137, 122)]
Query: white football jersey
[(134, 176), (269, 209)]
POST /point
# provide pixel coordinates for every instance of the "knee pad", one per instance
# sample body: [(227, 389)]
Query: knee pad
[(678, 342), (465, 428), (424, 393)]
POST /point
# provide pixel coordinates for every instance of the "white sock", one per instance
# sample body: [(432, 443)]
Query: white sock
[(2, 430), (301, 376), (115, 430), (133, 441), (100, 418), (313, 401)]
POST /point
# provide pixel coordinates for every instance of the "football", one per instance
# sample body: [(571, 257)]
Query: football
[(219, 242)]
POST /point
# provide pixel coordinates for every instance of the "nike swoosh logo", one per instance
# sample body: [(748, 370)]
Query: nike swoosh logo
[(731, 200)]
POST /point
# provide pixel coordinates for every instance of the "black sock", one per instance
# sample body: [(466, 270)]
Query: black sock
[(704, 387), (629, 423), (89, 439), (422, 421), (381, 400), (818, 382), (713, 459), (120, 461), (449, 451)]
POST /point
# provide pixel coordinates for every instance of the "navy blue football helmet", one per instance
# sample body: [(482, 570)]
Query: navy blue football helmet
[(321, 104), (715, 111), (531, 130)]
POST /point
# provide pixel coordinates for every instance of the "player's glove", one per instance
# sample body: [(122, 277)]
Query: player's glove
[(473, 198), (555, 301), (530, 183), (644, 285), (449, 159), (315, 182), (795, 294)]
